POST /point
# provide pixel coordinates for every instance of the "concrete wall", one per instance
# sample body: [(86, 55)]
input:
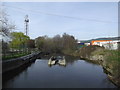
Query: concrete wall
[(18, 62)]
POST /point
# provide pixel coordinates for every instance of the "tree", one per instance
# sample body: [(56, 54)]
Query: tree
[(5, 48), (19, 40), (40, 42), (5, 28), (31, 44), (5, 25), (57, 40), (69, 43), (65, 44), (44, 44)]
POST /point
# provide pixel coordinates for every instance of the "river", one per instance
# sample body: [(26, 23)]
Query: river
[(76, 74)]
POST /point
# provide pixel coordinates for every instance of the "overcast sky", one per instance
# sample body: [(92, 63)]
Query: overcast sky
[(84, 20)]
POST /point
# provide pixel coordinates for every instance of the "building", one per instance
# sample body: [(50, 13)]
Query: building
[(99, 42), (83, 43), (108, 44), (87, 43)]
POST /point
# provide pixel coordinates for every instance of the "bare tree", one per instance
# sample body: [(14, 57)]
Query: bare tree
[(5, 29), (5, 25)]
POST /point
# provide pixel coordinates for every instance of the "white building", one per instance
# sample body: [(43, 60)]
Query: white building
[(87, 44), (111, 45)]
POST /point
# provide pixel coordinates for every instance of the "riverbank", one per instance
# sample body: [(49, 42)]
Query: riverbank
[(15, 63), (108, 59), (15, 55)]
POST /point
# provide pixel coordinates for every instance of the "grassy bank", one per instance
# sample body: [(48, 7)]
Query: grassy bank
[(110, 55), (112, 65), (15, 55), (109, 59)]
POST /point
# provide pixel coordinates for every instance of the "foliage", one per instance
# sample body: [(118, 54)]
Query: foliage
[(5, 28), (31, 43), (15, 55), (89, 51), (40, 41), (5, 48), (19, 40), (113, 55), (65, 44), (113, 64), (69, 43)]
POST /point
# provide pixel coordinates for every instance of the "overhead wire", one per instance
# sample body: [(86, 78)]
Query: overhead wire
[(53, 14)]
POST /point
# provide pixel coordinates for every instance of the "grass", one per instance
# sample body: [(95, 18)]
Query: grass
[(111, 55), (114, 55), (112, 59), (14, 56)]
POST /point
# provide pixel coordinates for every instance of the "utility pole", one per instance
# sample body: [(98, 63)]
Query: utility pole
[(26, 25), (26, 31)]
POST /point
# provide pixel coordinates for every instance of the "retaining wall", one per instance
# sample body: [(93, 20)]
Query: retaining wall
[(12, 64)]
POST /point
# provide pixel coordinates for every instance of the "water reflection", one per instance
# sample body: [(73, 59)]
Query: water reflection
[(15, 73), (76, 74), (57, 64)]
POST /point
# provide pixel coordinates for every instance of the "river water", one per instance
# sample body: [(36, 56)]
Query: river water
[(76, 74)]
